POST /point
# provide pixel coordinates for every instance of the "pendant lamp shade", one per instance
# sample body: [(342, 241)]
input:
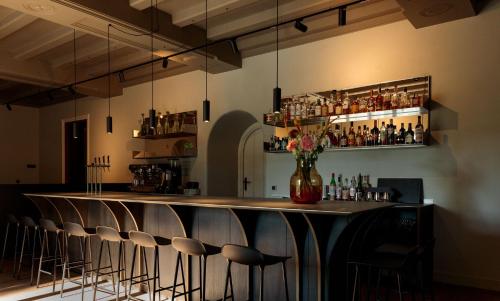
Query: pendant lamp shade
[(206, 110)]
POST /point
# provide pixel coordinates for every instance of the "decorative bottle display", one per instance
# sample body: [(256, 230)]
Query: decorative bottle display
[(419, 131), (409, 135), (379, 102), (346, 104)]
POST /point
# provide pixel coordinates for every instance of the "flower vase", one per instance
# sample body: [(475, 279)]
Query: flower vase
[(306, 185)]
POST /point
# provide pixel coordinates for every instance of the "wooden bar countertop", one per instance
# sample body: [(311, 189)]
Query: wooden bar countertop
[(265, 204)]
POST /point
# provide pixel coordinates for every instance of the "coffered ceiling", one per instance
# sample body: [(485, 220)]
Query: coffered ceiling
[(36, 37)]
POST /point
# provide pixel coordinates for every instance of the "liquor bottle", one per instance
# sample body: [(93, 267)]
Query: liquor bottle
[(338, 104), (395, 99), (375, 134), (387, 100), (355, 106), (144, 129), (363, 105), (304, 110), (359, 189), (419, 131), (409, 135), (359, 137), (292, 108), (351, 137), (391, 138), (298, 109), (311, 109), (352, 189), (166, 123), (324, 108), (338, 191), (333, 188), (371, 103), (159, 128), (345, 190), (346, 103), (383, 134), (379, 102), (331, 104), (343, 139), (415, 101), (336, 135), (271, 144), (401, 136), (366, 136), (404, 102), (317, 109)]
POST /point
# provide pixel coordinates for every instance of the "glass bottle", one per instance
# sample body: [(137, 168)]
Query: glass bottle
[(345, 190), (362, 105), (351, 138), (366, 136), (359, 189), (346, 104), (404, 101), (383, 134), (337, 135), (387, 100), (311, 109), (333, 188), (375, 133), (359, 137), (419, 131), (159, 129), (409, 135), (415, 101), (401, 136), (355, 106), (176, 123), (291, 108), (338, 192), (304, 110), (317, 109), (324, 108), (379, 103), (352, 189), (395, 99), (390, 133), (331, 104), (371, 102), (338, 104), (343, 139)]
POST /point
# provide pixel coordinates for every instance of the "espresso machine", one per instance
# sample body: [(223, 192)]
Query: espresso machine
[(164, 178)]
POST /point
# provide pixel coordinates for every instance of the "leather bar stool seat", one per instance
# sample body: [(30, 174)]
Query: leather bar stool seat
[(251, 257), (143, 241), (193, 248), (73, 230), (12, 221), (110, 235), (47, 227)]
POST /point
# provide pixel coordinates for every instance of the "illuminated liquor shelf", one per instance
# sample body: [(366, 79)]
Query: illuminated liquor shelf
[(362, 148)]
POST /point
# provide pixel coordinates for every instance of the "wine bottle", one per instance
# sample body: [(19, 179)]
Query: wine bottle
[(419, 131)]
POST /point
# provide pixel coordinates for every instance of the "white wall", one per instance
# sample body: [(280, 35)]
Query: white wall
[(460, 171), (19, 146)]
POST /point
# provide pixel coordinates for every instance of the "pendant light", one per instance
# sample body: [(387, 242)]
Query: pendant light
[(109, 119), (152, 112), (72, 89), (206, 102), (277, 90)]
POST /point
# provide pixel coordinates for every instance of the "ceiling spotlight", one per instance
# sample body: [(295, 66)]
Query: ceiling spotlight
[(9, 107), (300, 26), (164, 63), (234, 46), (342, 15), (121, 76)]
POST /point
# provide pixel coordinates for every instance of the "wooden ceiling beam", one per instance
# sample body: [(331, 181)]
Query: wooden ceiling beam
[(142, 4), (14, 22), (49, 40)]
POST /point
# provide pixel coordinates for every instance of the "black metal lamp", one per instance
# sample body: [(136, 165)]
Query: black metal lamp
[(277, 90), (206, 102), (109, 119)]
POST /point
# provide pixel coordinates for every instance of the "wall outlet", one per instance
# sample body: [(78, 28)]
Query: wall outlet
[(274, 187)]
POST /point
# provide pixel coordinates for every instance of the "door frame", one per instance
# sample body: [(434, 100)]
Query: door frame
[(241, 147), (63, 139)]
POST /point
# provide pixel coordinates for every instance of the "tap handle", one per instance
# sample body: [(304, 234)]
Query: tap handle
[(108, 159)]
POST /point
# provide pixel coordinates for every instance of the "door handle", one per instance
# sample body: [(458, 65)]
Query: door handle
[(245, 183)]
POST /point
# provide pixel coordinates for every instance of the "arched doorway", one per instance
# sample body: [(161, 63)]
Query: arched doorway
[(222, 152)]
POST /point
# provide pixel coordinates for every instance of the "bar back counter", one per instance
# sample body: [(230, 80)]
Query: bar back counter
[(318, 238)]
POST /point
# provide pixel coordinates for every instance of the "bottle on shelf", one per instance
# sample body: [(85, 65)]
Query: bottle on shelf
[(311, 111), (343, 139), (366, 141), (298, 109), (415, 101), (346, 103), (324, 108), (338, 191), (371, 103), (336, 136), (379, 102), (368, 137), (144, 127), (401, 136), (409, 135), (352, 189), (391, 137), (291, 108), (345, 190), (359, 137), (159, 129), (331, 103), (338, 104), (363, 101), (395, 99), (419, 131), (355, 106), (351, 137), (317, 108), (375, 134), (333, 188), (383, 134), (387, 100), (304, 110), (405, 100), (359, 189)]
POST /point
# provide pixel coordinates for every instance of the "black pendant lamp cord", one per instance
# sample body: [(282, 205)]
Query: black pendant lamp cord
[(152, 57), (206, 49), (74, 68), (277, 56), (109, 73)]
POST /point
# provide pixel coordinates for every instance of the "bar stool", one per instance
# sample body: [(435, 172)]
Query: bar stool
[(29, 225), (192, 247), (107, 235), (49, 227), (11, 220), (83, 235), (143, 240), (251, 257)]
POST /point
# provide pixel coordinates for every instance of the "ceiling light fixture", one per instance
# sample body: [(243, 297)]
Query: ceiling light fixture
[(73, 91), (342, 15), (234, 46), (300, 26), (206, 102), (277, 90), (109, 119), (164, 63)]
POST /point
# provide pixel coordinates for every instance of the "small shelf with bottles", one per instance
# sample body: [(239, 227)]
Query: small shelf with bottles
[(352, 110)]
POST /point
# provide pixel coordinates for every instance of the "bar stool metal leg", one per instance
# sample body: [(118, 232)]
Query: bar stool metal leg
[(283, 265), (132, 272), (21, 255), (4, 245), (228, 282)]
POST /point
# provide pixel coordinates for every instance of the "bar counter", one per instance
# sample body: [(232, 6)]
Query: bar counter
[(317, 237)]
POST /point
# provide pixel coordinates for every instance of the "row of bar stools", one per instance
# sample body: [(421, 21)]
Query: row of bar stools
[(50, 229), (83, 235), (108, 235), (194, 248), (12, 221), (251, 257)]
